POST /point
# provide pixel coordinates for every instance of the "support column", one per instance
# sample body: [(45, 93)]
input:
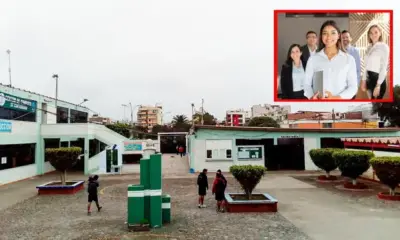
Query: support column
[(145, 182), (86, 155), (275, 141), (155, 190), (135, 204)]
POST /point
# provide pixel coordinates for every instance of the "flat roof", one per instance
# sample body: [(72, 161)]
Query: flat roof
[(267, 129), (38, 94)]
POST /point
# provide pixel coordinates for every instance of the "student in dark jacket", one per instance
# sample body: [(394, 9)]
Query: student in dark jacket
[(218, 189), (92, 193), (293, 74), (202, 183)]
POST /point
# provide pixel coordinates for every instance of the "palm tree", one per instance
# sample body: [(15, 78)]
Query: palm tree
[(179, 120)]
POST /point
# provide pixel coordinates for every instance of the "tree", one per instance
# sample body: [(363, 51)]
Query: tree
[(120, 128), (248, 177), (387, 169), (63, 159), (180, 123), (323, 159), (389, 111), (160, 128), (140, 132), (207, 118), (263, 122)]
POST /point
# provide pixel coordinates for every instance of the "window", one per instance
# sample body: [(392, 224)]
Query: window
[(51, 143), (78, 116), (219, 149), (16, 155), (62, 115), (326, 125), (12, 114)]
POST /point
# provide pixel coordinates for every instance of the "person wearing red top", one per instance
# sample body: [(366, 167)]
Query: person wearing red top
[(218, 190), (181, 149)]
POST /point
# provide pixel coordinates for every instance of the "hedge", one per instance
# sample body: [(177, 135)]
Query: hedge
[(323, 159), (352, 163), (387, 169), (248, 176)]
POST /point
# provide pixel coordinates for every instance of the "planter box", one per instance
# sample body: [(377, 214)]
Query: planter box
[(262, 202), (139, 227), (56, 188)]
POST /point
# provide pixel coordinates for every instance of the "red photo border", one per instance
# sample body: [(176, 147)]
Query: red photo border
[(276, 67)]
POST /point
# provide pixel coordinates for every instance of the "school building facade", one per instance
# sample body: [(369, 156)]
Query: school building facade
[(214, 148)]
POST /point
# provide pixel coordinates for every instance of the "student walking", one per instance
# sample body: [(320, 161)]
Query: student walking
[(218, 189), (181, 150), (92, 193), (202, 183)]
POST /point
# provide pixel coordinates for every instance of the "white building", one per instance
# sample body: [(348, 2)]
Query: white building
[(31, 122), (277, 112), (237, 117)]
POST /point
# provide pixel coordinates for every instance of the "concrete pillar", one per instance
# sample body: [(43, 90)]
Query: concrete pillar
[(155, 167), (86, 155), (166, 208), (145, 182)]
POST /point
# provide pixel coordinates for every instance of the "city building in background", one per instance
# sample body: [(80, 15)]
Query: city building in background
[(148, 116), (100, 120), (277, 112), (237, 117)]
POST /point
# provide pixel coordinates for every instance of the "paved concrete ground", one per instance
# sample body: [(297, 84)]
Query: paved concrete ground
[(306, 211)]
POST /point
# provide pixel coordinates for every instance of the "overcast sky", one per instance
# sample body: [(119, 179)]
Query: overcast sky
[(148, 52)]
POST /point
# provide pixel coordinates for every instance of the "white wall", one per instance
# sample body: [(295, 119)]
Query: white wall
[(51, 118), (200, 161), (64, 129), (309, 143), (21, 132), (16, 174)]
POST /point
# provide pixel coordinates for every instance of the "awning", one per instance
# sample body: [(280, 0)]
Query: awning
[(381, 140)]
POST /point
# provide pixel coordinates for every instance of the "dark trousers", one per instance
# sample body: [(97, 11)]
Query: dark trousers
[(372, 79), (296, 95)]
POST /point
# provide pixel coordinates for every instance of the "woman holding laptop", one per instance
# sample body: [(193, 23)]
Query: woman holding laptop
[(331, 73)]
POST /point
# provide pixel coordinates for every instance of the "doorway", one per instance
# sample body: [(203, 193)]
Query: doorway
[(331, 143), (288, 154)]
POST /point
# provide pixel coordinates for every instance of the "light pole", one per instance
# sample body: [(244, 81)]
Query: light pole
[(130, 104), (202, 111), (55, 76), (9, 64), (84, 100), (124, 106), (192, 114)]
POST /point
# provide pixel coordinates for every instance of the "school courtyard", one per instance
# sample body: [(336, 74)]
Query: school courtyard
[(306, 210)]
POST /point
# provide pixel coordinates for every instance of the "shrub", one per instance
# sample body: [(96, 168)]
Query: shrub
[(323, 159), (63, 159), (248, 176), (388, 171), (352, 163)]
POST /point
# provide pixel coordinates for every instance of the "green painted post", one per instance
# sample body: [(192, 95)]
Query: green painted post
[(135, 204), (108, 160), (166, 208), (115, 157), (145, 182), (155, 190)]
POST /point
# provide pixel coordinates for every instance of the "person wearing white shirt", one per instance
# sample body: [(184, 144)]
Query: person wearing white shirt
[(339, 72), (376, 63)]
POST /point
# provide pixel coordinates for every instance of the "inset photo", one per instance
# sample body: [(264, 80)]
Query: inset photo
[(340, 55)]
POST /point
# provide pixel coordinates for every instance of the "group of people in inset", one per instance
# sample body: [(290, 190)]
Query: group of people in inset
[(337, 64), (218, 189)]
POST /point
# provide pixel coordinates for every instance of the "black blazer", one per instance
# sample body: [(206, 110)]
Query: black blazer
[(287, 79), (305, 53)]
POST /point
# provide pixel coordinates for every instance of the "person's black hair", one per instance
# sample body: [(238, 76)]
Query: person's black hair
[(289, 59), (204, 170), (339, 44), (345, 31), (310, 32), (95, 177), (219, 170)]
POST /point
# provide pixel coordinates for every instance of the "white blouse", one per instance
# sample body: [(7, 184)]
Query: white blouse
[(377, 60), (339, 74)]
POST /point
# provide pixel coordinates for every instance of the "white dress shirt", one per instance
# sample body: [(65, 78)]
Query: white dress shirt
[(312, 53), (298, 76), (377, 60), (339, 74)]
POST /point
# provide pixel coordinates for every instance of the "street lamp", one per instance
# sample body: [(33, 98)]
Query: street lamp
[(9, 64), (84, 100), (55, 76)]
